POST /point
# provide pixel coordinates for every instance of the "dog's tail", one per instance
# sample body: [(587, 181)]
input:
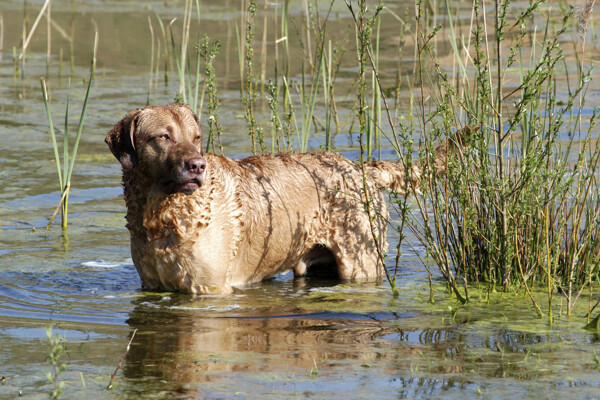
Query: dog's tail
[(393, 175)]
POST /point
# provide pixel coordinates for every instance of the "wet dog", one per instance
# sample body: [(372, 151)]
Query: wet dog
[(203, 223)]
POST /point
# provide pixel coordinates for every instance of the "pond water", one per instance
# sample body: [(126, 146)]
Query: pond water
[(283, 338)]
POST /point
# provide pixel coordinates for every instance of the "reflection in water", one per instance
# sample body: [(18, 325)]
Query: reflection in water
[(196, 352), (288, 337), (269, 337), (198, 344)]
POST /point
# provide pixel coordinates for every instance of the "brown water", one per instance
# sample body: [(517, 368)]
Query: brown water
[(283, 338)]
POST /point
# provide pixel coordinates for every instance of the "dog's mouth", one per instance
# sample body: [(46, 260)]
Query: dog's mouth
[(188, 186)]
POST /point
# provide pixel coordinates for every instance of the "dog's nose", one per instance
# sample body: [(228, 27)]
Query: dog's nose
[(196, 165)]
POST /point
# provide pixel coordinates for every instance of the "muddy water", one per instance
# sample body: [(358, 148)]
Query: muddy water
[(283, 338)]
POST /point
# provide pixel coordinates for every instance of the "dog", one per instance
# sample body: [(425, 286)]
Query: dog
[(204, 223)]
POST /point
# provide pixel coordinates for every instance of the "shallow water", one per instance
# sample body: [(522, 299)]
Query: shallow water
[(283, 338)]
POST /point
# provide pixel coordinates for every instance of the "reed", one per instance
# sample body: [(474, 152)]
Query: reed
[(285, 55), (1, 38), (328, 96), (519, 208), (69, 154), (27, 36), (276, 126), (291, 124), (311, 80), (308, 99), (373, 139), (330, 70), (151, 74), (249, 99), (188, 74), (167, 55), (55, 350), (208, 52), (364, 27)]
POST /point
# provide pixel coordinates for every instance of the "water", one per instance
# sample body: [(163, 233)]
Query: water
[(283, 338)]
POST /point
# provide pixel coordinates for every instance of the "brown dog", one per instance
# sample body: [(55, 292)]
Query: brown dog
[(203, 223)]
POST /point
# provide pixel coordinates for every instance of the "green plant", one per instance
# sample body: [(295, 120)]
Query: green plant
[(521, 206), (69, 155), (249, 99), (314, 370), (53, 356), (364, 27), (189, 76), (276, 125), (208, 52)]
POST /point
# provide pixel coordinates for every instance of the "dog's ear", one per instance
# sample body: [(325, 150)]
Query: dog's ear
[(121, 141)]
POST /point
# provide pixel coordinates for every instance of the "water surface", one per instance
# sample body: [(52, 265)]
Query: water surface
[(283, 338)]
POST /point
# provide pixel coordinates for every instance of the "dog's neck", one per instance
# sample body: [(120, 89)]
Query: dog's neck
[(151, 213), (135, 191)]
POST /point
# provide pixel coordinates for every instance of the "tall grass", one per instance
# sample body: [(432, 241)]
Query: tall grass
[(364, 26), (69, 153), (520, 207), (56, 347), (310, 81), (27, 36), (208, 51), (188, 74), (249, 98), (276, 125)]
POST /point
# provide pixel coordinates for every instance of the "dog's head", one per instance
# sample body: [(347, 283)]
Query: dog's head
[(164, 143)]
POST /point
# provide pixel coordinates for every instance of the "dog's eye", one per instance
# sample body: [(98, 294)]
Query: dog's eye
[(165, 136), (198, 138)]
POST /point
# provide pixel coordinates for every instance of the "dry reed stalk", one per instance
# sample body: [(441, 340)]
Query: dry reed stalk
[(307, 17), (263, 55), (60, 30), (185, 34), (151, 61), (1, 38), (31, 32), (112, 377), (48, 37), (60, 203), (584, 18)]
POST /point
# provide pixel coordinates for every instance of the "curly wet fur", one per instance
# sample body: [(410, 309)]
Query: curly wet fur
[(250, 218)]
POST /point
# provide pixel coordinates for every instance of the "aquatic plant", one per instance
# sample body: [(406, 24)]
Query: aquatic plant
[(69, 154), (189, 75), (276, 126), (364, 27), (53, 356), (314, 370), (249, 97), (520, 207), (208, 52)]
